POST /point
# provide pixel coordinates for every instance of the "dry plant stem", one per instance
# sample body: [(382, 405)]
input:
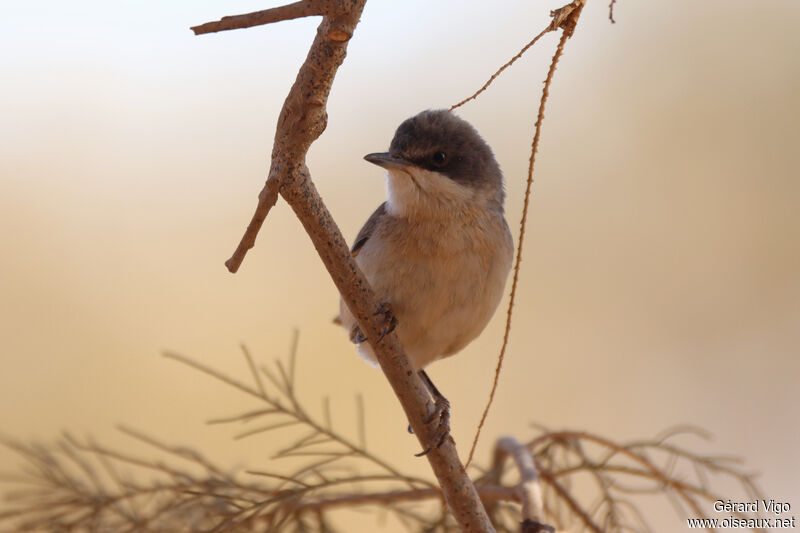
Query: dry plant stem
[(677, 486), (65, 491), (528, 490), (565, 18), (302, 120), (488, 494), (574, 506), (510, 62), (296, 412)]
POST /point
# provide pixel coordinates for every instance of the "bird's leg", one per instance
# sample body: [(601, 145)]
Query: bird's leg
[(441, 413), (389, 323)]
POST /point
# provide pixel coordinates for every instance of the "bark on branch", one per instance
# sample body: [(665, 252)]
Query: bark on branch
[(302, 119), (305, 8)]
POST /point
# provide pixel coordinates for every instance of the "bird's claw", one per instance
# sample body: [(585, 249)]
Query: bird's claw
[(390, 321), (441, 415)]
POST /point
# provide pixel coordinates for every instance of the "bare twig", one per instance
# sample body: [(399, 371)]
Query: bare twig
[(611, 11), (296, 10), (649, 467), (320, 431), (510, 62), (266, 200), (565, 18), (570, 11), (571, 502)]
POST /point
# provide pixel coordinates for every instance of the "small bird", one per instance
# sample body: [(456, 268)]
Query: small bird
[(438, 251)]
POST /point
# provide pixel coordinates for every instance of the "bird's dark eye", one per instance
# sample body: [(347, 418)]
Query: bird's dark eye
[(439, 158)]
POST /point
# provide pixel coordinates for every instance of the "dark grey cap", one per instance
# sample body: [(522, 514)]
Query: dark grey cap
[(438, 140)]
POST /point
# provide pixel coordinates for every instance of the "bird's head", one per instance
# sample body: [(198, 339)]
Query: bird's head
[(438, 162)]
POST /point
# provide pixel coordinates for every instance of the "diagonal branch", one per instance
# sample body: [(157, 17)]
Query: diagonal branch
[(507, 64), (302, 120)]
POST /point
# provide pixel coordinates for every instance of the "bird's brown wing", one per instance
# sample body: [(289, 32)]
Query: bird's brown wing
[(369, 227), (361, 239)]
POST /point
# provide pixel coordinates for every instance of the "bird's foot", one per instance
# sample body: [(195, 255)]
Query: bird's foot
[(389, 320), (389, 323), (441, 416)]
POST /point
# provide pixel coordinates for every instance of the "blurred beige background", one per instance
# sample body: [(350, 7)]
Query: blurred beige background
[(660, 282)]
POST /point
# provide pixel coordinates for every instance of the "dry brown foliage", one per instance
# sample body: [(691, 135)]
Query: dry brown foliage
[(79, 485)]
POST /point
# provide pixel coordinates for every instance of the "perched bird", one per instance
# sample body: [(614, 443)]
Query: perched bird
[(438, 251)]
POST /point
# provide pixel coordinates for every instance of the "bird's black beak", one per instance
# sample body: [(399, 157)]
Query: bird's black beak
[(387, 160)]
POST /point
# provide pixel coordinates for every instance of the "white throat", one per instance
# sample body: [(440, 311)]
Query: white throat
[(415, 192)]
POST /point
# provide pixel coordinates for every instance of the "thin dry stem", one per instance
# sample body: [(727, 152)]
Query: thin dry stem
[(565, 496), (609, 475), (297, 415), (566, 18), (501, 69), (658, 474)]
